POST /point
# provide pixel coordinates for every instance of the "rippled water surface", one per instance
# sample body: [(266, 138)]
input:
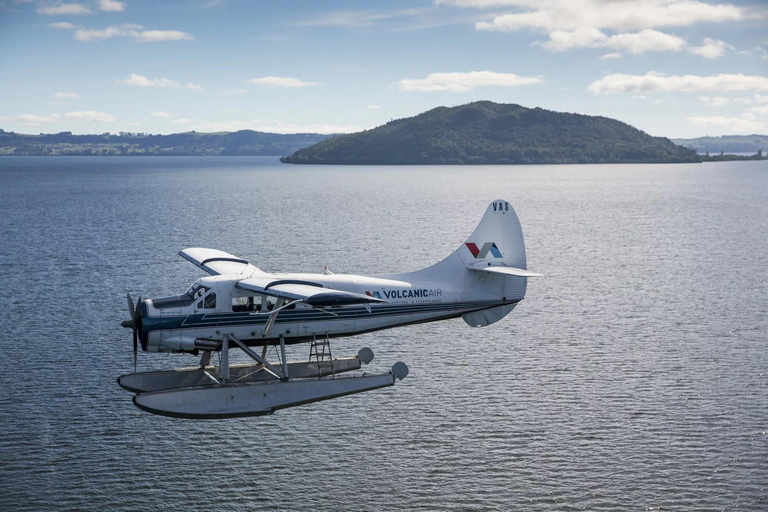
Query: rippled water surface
[(633, 377)]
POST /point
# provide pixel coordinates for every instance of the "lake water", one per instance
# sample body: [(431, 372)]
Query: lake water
[(634, 376)]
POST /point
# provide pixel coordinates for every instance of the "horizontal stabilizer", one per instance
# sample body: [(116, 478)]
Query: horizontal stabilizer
[(510, 271), (311, 293), (217, 262)]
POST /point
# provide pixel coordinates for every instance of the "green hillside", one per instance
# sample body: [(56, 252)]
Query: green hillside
[(491, 133)]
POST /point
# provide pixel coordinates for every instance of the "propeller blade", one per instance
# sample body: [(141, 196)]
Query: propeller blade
[(130, 305), (136, 319)]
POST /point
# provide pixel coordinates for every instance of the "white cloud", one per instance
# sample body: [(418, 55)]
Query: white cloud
[(235, 92), (63, 25), (353, 19), (760, 110), (569, 15), (281, 81), (645, 41), (33, 119), (83, 34), (373, 107), (403, 19), (111, 6), (759, 98), (272, 126), (66, 95), (711, 49), (638, 97), (582, 23), (656, 82), (64, 9), (194, 87), (461, 82), (142, 81), (636, 43), (614, 55), (732, 125), (90, 115), (561, 40), (162, 114), (136, 32), (182, 121), (155, 36), (721, 101)]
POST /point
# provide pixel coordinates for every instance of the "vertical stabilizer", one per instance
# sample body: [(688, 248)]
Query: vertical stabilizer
[(497, 240)]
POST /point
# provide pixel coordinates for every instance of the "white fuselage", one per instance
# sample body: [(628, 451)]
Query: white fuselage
[(243, 314)]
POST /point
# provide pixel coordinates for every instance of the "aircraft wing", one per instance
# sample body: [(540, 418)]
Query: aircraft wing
[(217, 262), (510, 271), (311, 293)]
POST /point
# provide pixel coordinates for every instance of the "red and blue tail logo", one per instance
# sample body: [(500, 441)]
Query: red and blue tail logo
[(481, 253)]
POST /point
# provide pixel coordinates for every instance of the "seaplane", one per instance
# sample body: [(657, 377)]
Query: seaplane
[(239, 306)]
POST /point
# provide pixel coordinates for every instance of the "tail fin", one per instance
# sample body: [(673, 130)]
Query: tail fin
[(490, 265), (497, 240)]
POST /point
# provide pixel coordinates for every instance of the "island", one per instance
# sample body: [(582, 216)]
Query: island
[(485, 132), (243, 142)]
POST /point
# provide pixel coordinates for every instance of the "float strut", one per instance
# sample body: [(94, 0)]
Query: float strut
[(205, 358), (253, 355), (282, 356), (225, 360)]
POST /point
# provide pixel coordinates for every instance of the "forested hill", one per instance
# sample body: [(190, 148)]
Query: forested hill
[(491, 133), (243, 142)]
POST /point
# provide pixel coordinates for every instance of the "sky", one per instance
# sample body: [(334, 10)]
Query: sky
[(673, 68)]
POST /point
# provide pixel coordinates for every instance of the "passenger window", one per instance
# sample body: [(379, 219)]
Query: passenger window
[(240, 304), (209, 301)]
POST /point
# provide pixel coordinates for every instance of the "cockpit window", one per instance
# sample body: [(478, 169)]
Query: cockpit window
[(196, 291)]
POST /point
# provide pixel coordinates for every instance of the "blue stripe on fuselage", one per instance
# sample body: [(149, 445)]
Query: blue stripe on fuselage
[(307, 315)]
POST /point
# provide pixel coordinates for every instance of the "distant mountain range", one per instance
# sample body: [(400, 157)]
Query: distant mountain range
[(492, 133), (727, 144), (476, 133), (243, 142)]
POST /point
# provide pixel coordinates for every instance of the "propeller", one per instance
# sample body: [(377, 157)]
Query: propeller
[(133, 324)]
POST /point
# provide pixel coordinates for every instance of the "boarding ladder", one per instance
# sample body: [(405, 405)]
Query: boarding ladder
[(319, 350)]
